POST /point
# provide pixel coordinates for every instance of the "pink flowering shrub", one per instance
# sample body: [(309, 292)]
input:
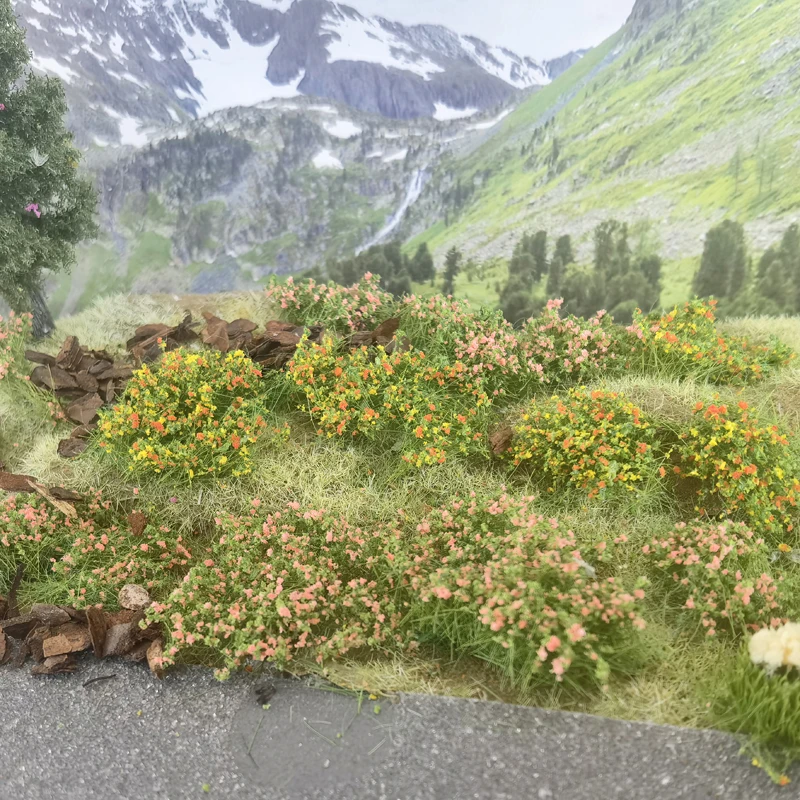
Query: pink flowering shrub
[(708, 569), (482, 340), (494, 579), (570, 349), (294, 583), (14, 332), (86, 559), (360, 307)]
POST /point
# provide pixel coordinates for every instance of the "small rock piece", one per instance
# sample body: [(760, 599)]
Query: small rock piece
[(96, 622), (50, 615), (138, 522), (19, 627), (134, 597), (155, 657), (70, 638), (55, 665)]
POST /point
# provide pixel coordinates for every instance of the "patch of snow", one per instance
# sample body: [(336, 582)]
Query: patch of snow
[(41, 8), (101, 142), (327, 160), (323, 109), (101, 58), (273, 5), (236, 75), (54, 67), (34, 23), (484, 126), (133, 79), (69, 31), (375, 154), (450, 139), (174, 114), (129, 132), (392, 135), (182, 94), (357, 38), (342, 129), (398, 156), (115, 43), (444, 112), (503, 64), (154, 54)]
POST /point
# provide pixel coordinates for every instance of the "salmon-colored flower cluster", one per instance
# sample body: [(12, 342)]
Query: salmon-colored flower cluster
[(197, 414), (720, 574), (743, 468), (570, 349), (488, 577), (685, 342), (493, 578), (85, 560), (595, 441), (300, 582), (435, 409), (353, 308)]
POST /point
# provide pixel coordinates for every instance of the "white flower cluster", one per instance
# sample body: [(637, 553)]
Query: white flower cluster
[(776, 647)]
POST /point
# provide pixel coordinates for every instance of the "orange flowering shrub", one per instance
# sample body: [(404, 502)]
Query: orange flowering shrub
[(686, 342), (595, 441), (195, 414), (719, 574), (744, 468), (435, 409)]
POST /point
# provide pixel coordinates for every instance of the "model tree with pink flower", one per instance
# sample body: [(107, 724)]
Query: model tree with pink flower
[(45, 207)]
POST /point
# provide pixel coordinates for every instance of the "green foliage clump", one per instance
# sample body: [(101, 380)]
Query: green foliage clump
[(84, 560), (294, 583), (494, 579), (359, 307), (192, 415), (594, 441)]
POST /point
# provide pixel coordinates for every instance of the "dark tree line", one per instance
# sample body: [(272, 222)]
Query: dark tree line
[(396, 269), (726, 272), (618, 279)]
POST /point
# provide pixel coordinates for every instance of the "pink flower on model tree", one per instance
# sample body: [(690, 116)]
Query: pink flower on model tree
[(2, 107), (34, 207)]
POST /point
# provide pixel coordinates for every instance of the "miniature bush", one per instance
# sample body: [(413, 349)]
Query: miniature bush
[(494, 579), (429, 408), (718, 574), (192, 415), (360, 307), (594, 441), (742, 468), (686, 343)]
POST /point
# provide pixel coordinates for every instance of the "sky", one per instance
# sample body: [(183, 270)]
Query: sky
[(537, 28)]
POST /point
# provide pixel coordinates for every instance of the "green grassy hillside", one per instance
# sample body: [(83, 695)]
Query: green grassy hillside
[(690, 121)]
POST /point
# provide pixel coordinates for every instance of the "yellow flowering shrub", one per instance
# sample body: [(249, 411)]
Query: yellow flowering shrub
[(743, 468), (192, 413), (685, 342), (594, 441), (430, 409)]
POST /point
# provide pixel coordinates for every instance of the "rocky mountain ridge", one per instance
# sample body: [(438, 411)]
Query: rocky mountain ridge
[(132, 67)]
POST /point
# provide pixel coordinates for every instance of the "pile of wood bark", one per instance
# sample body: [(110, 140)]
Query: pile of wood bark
[(83, 381), (52, 635)]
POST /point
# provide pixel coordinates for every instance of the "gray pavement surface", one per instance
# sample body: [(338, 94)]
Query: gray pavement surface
[(192, 737)]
